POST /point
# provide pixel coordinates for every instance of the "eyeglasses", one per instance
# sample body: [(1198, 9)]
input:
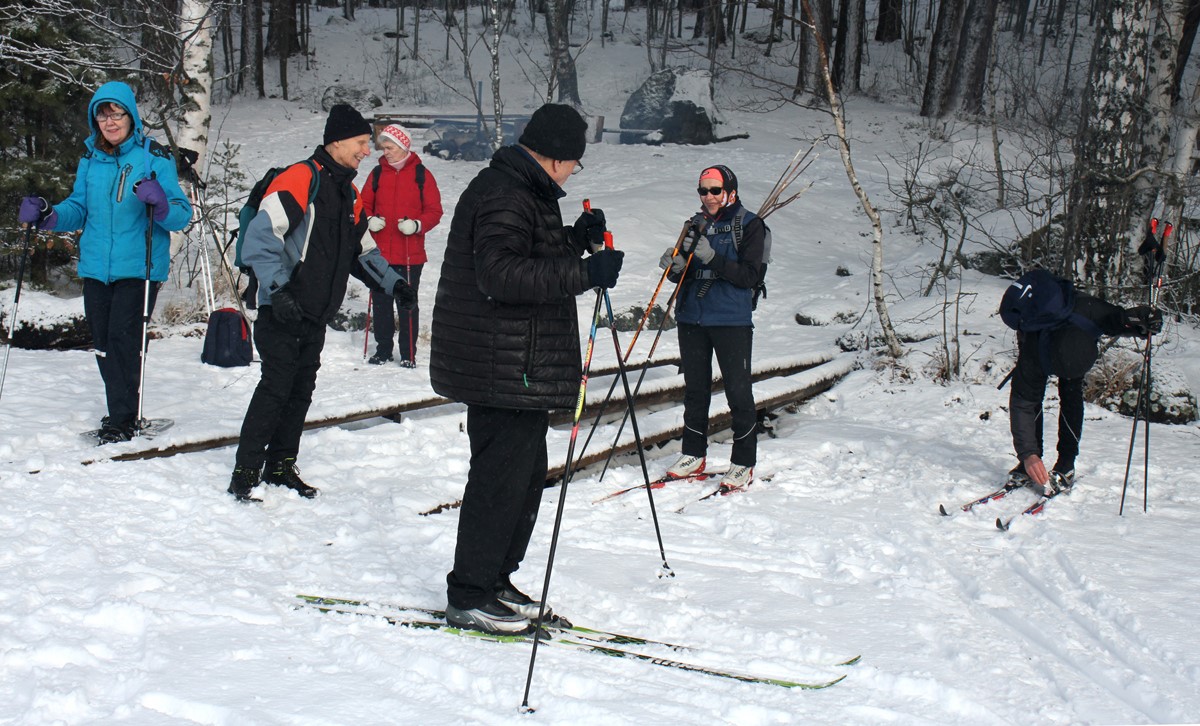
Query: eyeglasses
[(114, 116), (578, 168), (715, 191)]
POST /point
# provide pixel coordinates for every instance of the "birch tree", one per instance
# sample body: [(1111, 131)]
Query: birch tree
[(835, 107), (196, 86), (1108, 199)]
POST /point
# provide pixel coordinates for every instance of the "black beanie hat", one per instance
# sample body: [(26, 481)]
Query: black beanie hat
[(344, 123), (556, 131), (728, 178)]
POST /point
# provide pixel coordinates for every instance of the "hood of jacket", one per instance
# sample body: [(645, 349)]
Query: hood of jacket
[(122, 95)]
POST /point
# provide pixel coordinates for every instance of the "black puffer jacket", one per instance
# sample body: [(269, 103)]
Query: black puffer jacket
[(505, 328)]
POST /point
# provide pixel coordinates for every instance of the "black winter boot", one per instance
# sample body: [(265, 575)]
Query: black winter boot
[(286, 474), (242, 483)]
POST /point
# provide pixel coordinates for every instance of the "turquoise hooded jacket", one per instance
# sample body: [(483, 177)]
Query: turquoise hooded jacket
[(103, 205)]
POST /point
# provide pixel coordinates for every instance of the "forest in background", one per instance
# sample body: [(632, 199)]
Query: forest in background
[(1089, 104)]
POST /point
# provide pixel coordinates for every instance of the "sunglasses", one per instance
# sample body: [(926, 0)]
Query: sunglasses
[(715, 191)]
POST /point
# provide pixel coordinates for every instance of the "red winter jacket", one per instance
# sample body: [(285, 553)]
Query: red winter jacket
[(397, 197)]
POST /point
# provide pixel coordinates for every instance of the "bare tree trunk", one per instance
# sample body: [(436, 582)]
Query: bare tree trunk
[(885, 321), (891, 21), (1022, 16), (975, 49), (1191, 23), (557, 31), (259, 54), (943, 58), (848, 52), (1109, 148)]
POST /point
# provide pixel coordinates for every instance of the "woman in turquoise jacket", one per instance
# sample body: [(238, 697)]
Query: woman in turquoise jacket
[(124, 184)]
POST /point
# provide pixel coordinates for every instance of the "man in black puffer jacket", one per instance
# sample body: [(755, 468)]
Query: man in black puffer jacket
[(505, 341)]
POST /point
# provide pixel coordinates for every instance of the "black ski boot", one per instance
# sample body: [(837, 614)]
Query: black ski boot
[(115, 431), (242, 483), (520, 603), (286, 474)]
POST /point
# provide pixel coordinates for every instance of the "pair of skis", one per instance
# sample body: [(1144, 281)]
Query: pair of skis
[(1010, 486), (559, 634), (721, 490)]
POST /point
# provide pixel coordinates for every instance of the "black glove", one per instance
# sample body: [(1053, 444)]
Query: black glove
[(688, 245), (406, 296), (1142, 320), (603, 268), (588, 231), (285, 308)]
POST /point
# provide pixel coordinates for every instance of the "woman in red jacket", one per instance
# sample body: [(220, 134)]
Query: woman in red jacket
[(403, 202)]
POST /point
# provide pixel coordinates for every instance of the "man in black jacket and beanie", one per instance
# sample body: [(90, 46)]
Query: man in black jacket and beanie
[(505, 341), (303, 254)]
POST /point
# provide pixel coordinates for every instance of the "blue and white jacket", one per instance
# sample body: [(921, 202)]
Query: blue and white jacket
[(103, 205)]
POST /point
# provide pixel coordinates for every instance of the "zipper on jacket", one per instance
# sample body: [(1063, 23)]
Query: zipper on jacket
[(121, 181), (533, 327)]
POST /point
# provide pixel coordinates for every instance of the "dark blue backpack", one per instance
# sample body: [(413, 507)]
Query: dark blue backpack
[(1039, 302), (227, 341)]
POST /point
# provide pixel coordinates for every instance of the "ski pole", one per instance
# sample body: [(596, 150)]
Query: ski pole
[(661, 326), (650, 305), (1154, 252), (30, 230), (412, 341), (562, 498), (641, 376), (367, 324), (145, 310), (632, 414)]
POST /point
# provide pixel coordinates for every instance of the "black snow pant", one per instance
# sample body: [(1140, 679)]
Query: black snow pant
[(1025, 408), (114, 314), (274, 419), (500, 503), (732, 345), (409, 320)]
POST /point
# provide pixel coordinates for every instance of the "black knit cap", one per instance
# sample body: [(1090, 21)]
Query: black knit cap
[(344, 123), (556, 131), (728, 178)]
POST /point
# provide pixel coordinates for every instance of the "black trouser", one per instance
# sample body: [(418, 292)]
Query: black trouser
[(114, 314), (385, 325), (274, 420), (500, 503), (1025, 407), (732, 345)]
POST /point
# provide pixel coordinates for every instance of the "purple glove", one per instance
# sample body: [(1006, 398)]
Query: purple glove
[(151, 193), (33, 210)]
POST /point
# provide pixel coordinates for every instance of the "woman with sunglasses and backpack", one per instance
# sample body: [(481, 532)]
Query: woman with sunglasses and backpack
[(719, 265)]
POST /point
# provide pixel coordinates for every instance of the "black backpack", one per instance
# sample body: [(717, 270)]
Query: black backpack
[(227, 341), (250, 209), (1040, 302), (420, 170), (760, 289)]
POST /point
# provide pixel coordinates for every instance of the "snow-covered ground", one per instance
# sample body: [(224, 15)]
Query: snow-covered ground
[(141, 593)]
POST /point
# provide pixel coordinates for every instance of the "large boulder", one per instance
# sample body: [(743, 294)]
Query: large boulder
[(361, 100), (1115, 382), (675, 105)]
